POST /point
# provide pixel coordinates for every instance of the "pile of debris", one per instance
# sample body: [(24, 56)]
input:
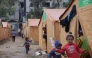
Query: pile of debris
[(39, 53)]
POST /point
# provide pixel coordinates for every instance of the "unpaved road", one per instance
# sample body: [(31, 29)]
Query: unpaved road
[(11, 49)]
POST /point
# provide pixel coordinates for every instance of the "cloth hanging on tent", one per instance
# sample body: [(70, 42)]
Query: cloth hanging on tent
[(69, 16), (66, 21), (80, 41), (85, 43), (62, 22), (73, 12), (44, 16)]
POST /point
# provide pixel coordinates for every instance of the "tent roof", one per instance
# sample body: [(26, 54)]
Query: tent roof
[(33, 22), (54, 14), (5, 24)]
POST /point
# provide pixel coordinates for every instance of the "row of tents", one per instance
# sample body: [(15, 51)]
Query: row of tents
[(61, 21), (5, 31)]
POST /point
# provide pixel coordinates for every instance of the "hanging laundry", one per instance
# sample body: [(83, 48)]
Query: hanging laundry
[(68, 16), (62, 22), (73, 12), (66, 21)]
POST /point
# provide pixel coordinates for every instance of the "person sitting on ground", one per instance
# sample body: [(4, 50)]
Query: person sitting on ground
[(26, 44), (54, 54)]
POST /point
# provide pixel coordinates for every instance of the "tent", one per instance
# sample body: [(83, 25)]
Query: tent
[(52, 20), (24, 26), (33, 29), (83, 15), (42, 23), (5, 29), (52, 25)]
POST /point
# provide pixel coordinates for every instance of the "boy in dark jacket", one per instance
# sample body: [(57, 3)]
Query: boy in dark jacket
[(54, 54), (26, 44)]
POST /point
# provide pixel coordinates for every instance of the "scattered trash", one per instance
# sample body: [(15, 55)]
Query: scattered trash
[(44, 53), (23, 48), (38, 53), (7, 47), (7, 56)]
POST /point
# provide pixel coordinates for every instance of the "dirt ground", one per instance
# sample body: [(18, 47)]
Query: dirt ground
[(11, 49)]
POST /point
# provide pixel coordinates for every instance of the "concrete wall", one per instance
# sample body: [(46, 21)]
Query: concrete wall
[(16, 15), (21, 0), (16, 12), (27, 5)]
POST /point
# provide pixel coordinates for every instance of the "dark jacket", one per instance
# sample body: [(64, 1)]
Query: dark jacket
[(45, 35), (26, 44), (55, 54)]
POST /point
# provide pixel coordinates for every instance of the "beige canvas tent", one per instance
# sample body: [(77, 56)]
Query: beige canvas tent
[(5, 29), (52, 20), (42, 24), (52, 17), (84, 15), (33, 29)]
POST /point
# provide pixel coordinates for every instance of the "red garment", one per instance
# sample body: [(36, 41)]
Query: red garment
[(72, 50), (27, 46)]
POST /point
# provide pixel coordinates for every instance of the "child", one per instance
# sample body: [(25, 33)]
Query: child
[(26, 44), (55, 54), (13, 35), (72, 50)]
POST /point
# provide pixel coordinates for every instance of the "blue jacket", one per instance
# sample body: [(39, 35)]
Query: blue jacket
[(55, 54)]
